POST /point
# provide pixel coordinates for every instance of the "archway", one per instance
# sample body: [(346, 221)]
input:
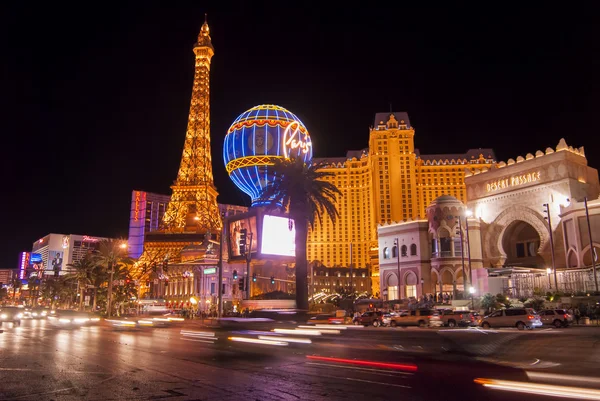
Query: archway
[(410, 285), (521, 245), (392, 286), (447, 281)]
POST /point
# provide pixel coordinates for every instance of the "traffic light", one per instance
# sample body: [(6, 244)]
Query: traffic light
[(272, 280), (254, 277), (241, 284), (242, 243), (235, 275)]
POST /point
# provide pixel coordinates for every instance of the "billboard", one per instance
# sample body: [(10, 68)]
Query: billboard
[(278, 236), (55, 262), (235, 228)]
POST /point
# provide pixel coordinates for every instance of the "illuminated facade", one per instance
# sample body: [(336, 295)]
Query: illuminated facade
[(499, 240), (257, 138), (147, 211), (59, 250), (193, 205), (192, 211), (390, 181)]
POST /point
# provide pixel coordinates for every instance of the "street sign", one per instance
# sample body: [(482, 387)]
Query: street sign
[(211, 270)]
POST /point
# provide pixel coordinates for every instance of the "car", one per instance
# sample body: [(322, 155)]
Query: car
[(452, 318), (418, 317), (374, 318), (72, 318), (12, 314), (521, 318), (322, 318), (556, 317), (39, 312)]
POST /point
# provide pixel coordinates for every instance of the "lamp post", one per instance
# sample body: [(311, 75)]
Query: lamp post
[(397, 243), (547, 211), (220, 299), (462, 251), (592, 249), (472, 291), (548, 271), (468, 214)]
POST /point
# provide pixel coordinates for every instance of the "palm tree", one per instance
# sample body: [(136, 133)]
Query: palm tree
[(109, 256), (81, 272), (300, 189)]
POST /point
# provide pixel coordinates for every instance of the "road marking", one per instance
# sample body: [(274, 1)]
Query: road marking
[(46, 370), (196, 341), (556, 376), (373, 382), (360, 369)]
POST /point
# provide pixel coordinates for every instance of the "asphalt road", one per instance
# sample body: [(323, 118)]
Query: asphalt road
[(191, 362)]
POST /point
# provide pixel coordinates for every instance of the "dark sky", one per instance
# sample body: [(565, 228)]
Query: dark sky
[(95, 98)]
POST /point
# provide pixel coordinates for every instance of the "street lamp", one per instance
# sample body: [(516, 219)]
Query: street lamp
[(468, 214), (472, 291), (547, 217), (397, 244), (548, 271)]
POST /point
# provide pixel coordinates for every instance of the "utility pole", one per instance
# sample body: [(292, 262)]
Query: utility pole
[(592, 249), (220, 299), (462, 253), (110, 286), (248, 260), (351, 281), (397, 241), (469, 250), (551, 244)]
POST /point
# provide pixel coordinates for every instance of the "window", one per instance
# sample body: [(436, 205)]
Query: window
[(404, 250), (413, 250), (515, 312), (394, 251), (386, 253), (411, 291)]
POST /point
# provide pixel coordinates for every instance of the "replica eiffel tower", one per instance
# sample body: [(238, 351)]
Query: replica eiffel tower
[(192, 218)]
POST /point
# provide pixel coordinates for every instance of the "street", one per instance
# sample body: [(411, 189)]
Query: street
[(188, 361)]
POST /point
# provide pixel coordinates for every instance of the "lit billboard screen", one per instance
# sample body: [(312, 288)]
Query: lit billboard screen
[(235, 229), (278, 236), (55, 262)]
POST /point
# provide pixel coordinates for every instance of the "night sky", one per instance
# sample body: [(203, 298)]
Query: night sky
[(95, 99)]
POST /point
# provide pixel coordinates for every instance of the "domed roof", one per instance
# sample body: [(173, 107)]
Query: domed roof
[(266, 113), (445, 199)]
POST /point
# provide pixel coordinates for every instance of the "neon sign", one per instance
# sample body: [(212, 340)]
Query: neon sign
[(87, 238), (292, 140), (514, 181)]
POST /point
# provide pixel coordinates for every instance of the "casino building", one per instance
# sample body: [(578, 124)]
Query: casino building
[(390, 181), (522, 228)]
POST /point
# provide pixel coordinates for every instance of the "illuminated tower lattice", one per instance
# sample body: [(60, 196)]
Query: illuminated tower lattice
[(193, 204)]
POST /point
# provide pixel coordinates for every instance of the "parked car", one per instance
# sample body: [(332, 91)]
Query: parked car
[(370, 318), (520, 318), (419, 317), (556, 317), (452, 318), (12, 314)]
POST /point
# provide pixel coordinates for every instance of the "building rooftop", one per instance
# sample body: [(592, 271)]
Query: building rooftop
[(471, 154), (382, 118)]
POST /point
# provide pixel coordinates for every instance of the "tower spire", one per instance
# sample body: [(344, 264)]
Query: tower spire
[(193, 205)]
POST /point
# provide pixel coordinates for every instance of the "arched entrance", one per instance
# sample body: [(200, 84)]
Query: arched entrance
[(392, 287), (521, 244), (410, 285)]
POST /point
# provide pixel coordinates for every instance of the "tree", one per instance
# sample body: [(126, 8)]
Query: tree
[(81, 272), (112, 256), (300, 189), (488, 301)]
